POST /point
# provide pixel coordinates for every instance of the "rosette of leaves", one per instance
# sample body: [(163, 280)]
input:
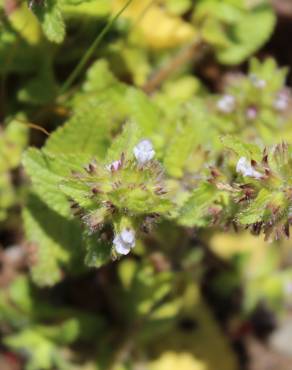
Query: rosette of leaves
[(113, 191), (258, 197), (79, 172), (72, 174)]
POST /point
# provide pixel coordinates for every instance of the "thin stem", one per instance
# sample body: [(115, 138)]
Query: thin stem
[(33, 125), (91, 50)]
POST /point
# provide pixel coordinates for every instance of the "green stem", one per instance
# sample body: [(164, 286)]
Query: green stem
[(91, 50)]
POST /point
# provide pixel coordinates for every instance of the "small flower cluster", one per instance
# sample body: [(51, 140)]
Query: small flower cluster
[(144, 153), (254, 100)]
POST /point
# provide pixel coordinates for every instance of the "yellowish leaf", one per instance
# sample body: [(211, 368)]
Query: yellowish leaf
[(159, 28), (173, 360), (26, 24), (227, 245)]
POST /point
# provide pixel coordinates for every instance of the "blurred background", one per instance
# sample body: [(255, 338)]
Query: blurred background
[(217, 298)]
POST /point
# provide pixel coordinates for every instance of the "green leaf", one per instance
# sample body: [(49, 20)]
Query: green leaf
[(85, 8), (88, 131), (41, 344), (125, 142), (13, 139), (58, 241), (7, 195), (78, 192), (213, 33), (143, 111), (256, 210), (98, 111), (178, 6), (242, 149), (195, 210), (185, 136), (47, 171), (98, 251), (269, 71), (20, 294), (115, 102), (39, 349), (51, 19), (12, 142), (45, 177), (64, 333), (33, 92), (99, 77), (246, 36)]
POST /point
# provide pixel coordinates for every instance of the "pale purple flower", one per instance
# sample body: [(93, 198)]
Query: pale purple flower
[(144, 152), (245, 168), (226, 104), (251, 113), (282, 101), (124, 241), (114, 166)]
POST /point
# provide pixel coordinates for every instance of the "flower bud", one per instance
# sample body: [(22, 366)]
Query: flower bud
[(114, 166)]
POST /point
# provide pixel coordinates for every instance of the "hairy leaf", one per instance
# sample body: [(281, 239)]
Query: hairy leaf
[(55, 241)]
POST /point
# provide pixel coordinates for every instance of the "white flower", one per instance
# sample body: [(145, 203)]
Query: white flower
[(124, 241), (114, 166), (282, 101), (257, 82), (226, 104), (144, 151), (245, 168)]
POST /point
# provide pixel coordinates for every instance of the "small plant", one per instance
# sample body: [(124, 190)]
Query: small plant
[(131, 195), (118, 191)]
